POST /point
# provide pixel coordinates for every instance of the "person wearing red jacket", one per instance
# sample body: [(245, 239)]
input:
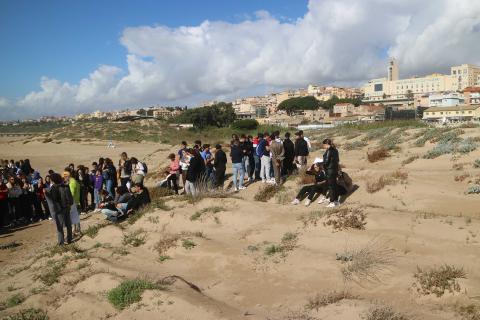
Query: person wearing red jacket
[(173, 171)]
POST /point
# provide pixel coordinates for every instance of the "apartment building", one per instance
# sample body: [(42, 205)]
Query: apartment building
[(391, 87), (452, 114)]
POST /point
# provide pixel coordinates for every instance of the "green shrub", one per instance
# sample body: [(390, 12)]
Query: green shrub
[(475, 189), (28, 314), (439, 150), (135, 238), (188, 244), (466, 146), (129, 292), (355, 145), (245, 124), (476, 163), (383, 312)]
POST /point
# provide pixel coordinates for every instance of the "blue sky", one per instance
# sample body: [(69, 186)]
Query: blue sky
[(67, 40), (68, 57)]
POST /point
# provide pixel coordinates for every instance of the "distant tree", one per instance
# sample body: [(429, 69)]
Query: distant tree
[(141, 112), (296, 104), (409, 94), (245, 124), (218, 115)]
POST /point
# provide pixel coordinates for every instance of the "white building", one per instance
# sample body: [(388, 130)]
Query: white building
[(392, 88), (448, 99)]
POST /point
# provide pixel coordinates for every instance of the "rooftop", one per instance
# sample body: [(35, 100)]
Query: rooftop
[(456, 108)]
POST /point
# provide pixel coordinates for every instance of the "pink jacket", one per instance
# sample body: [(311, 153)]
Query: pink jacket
[(174, 166)]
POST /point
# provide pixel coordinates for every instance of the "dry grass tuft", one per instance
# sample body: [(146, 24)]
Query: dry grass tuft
[(367, 263), (469, 312), (437, 280), (266, 193), (383, 312), (462, 177), (409, 160), (386, 180), (377, 155), (135, 238), (345, 218)]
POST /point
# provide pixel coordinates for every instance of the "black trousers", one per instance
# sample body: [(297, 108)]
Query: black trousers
[(4, 213), (332, 185), (219, 177), (311, 190), (62, 220), (124, 181), (172, 181)]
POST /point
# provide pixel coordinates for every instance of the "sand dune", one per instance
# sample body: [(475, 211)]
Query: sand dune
[(424, 220)]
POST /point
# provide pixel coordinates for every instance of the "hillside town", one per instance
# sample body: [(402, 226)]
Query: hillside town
[(442, 98)]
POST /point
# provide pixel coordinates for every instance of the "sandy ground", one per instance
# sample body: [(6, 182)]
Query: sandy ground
[(427, 221)]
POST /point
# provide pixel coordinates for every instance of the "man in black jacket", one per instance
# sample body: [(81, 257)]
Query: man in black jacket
[(61, 200), (301, 150), (140, 198), (289, 154), (195, 169), (220, 165)]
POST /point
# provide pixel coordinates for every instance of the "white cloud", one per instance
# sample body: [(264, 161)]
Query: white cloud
[(337, 41)]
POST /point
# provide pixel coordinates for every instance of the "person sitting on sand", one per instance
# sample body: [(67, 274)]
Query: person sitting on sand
[(320, 185), (109, 205), (140, 198)]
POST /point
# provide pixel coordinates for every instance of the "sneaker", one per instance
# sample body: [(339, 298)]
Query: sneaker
[(242, 188), (264, 181), (307, 202), (295, 201), (333, 204), (322, 199), (236, 189)]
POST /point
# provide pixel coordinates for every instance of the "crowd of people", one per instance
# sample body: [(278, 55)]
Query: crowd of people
[(117, 191), (27, 197), (267, 158)]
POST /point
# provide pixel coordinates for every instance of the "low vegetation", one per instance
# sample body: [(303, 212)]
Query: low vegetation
[(323, 300), (383, 312), (409, 160), (92, 231), (198, 214), (28, 314), (438, 280), (288, 243), (266, 193), (354, 145), (12, 301), (52, 272), (129, 292), (135, 238), (475, 189), (345, 218), (375, 185), (468, 312), (377, 155)]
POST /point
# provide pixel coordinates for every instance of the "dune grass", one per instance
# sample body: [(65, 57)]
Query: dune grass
[(28, 314), (438, 280), (129, 292)]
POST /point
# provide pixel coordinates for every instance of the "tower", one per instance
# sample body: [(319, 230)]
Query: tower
[(392, 70)]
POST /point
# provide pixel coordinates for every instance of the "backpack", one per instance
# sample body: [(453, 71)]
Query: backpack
[(345, 181), (66, 199)]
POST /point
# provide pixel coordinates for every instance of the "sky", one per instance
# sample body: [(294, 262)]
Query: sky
[(62, 57)]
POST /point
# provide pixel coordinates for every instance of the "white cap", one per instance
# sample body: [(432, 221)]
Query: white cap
[(318, 160)]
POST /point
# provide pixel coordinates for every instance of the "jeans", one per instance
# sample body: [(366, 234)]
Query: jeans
[(256, 161), (110, 214), (98, 199), (190, 188), (246, 164), (265, 168), (62, 220), (238, 168)]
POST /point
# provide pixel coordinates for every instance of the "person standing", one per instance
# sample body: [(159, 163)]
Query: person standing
[(195, 169), (124, 169), (183, 161), (256, 157), (110, 177), (278, 154), (173, 169), (220, 166), (263, 150), (97, 183), (289, 149), (60, 197), (236, 154), (138, 171), (301, 150), (75, 191), (331, 162), (4, 211)]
